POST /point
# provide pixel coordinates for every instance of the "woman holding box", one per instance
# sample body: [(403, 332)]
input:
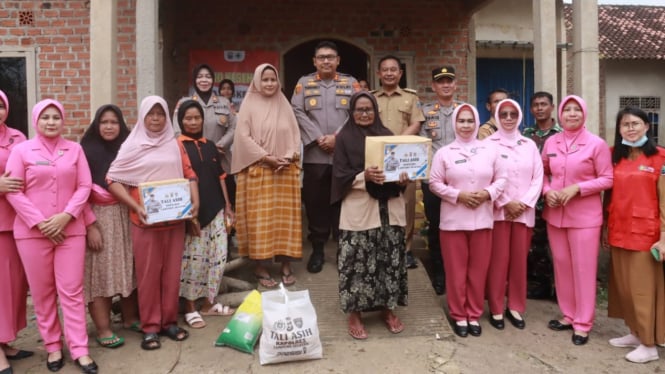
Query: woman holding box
[(150, 154)]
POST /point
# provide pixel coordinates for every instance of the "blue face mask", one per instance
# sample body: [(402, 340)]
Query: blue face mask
[(637, 143)]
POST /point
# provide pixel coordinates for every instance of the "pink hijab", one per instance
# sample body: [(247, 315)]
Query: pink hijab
[(464, 142), (147, 156), (514, 133), (571, 135), (266, 126), (50, 143)]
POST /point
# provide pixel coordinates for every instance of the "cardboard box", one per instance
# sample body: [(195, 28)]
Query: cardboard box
[(399, 153), (168, 200)]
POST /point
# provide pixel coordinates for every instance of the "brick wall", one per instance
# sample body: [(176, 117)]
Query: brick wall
[(59, 32)]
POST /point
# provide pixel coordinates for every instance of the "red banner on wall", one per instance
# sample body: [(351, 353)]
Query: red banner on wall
[(235, 65)]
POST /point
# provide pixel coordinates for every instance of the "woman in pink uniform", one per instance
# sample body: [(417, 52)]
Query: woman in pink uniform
[(49, 236), (578, 167), (467, 177), (13, 285), (514, 216)]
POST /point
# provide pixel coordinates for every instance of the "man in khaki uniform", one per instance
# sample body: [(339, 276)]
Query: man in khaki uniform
[(399, 110)]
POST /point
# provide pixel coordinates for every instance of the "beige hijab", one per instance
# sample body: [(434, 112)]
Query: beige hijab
[(266, 125)]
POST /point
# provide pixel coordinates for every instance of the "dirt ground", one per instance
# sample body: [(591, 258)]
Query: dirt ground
[(533, 350)]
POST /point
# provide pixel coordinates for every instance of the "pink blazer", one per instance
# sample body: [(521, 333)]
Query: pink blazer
[(524, 167), (589, 165), (454, 170), (54, 183), (9, 138)]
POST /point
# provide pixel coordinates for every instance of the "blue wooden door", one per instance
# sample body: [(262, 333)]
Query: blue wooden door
[(513, 75)]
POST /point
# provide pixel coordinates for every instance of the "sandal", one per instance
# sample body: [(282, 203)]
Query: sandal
[(175, 333), (194, 320), (150, 342), (393, 323), (111, 342), (219, 310), (266, 281), (286, 277), (135, 326), (358, 333)]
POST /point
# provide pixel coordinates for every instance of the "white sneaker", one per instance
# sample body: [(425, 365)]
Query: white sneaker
[(642, 354), (628, 341)]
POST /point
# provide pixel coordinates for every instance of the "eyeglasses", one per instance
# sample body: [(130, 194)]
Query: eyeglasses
[(505, 115), (326, 58), (363, 111), (631, 125)]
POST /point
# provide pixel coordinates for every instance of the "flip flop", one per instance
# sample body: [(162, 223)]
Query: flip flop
[(136, 327), (266, 281), (286, 276), (219, 310), (393, 324), (194, 320), (358, 333), (111, 342)]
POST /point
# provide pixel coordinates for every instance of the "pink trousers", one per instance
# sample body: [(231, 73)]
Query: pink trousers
[(55, 272), (13, 289), (157, 257), (575, 257), (466, 257), (507, 270)]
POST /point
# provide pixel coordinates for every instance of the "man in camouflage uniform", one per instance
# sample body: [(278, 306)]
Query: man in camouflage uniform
[(539, 265), (400, 112), (321, 105), (438, 126)]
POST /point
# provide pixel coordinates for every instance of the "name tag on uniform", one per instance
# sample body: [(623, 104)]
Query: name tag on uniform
[(460, 161), (648, 169), (45, 163), (504, 156), (551, 155)]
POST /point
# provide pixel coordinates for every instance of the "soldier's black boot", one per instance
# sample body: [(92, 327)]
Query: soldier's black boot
[(315, 263)]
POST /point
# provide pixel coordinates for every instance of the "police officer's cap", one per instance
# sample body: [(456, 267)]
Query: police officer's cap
[(444, 71)]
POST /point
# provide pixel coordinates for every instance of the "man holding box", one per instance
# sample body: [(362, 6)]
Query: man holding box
[(321, 105), (400, 112), (438, 126)]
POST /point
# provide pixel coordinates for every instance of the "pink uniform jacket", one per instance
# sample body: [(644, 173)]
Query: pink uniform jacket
[(9, 138), (453, 170), (524, 169), (54, 183), (589, 165)]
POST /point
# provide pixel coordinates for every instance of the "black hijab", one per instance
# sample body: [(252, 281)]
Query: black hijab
[(205, 96), (99, 152), (182, 109), (349, 157)]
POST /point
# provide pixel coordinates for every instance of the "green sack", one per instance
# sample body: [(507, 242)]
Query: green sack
[(244, 328)]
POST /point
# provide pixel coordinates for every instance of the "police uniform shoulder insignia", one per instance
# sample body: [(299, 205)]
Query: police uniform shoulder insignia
[(411, 91), (298, 88), (373, 92), (356, 86)]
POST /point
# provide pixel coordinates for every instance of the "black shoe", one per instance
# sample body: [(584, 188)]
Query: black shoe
[(580, 340), (8, 370), (90, 368), (519, 323), (55, 365), (315, 263), (439, 287), (497, 323), (558, 326), (21, 354), (461, 331), (475, 330), (411, 262)]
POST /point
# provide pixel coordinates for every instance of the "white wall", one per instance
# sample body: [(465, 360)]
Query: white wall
[(633, 78), (505, 20)]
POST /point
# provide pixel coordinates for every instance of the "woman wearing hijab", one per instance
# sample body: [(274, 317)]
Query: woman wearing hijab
[(372, 245), (635, 224), (266, 163), (109, 262), (149, 154), (13, 285), (577, 168), (205, 241), (514, 216), (219, 119), (49, 234), (467, 176)]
